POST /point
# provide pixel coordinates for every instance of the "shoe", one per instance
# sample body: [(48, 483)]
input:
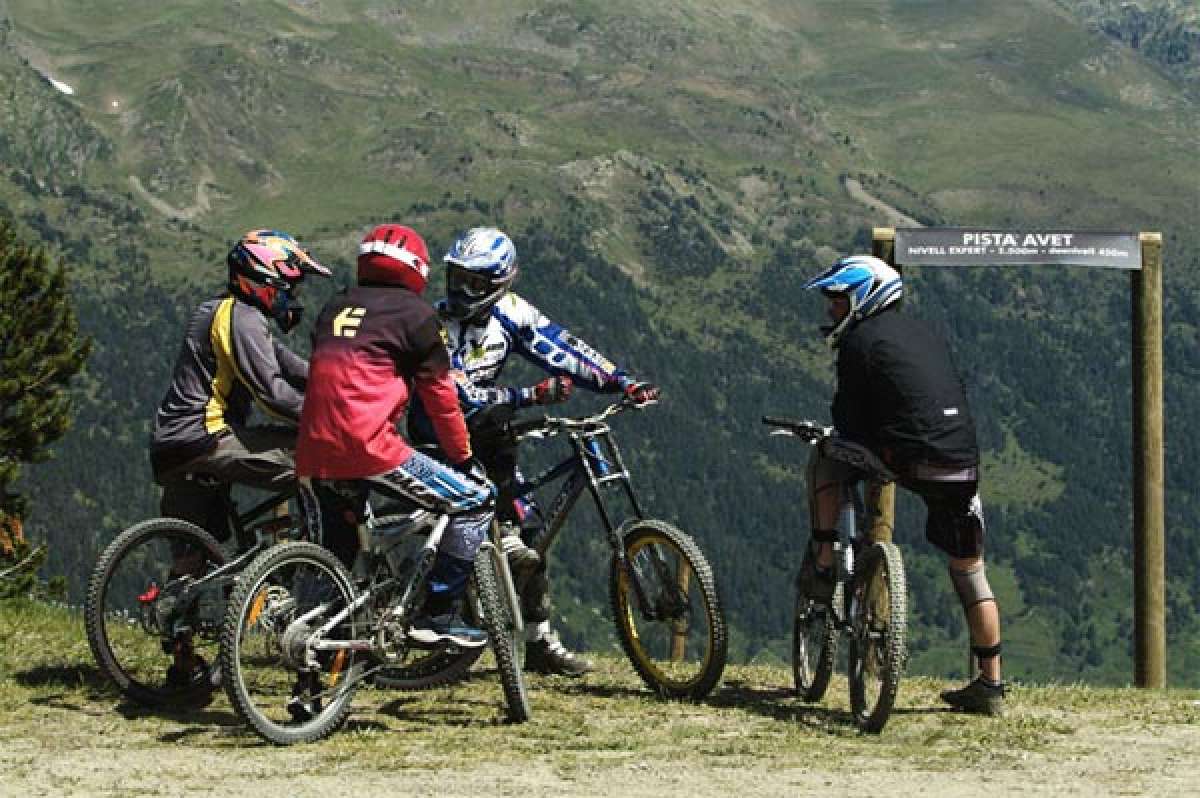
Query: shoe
[(979, 697), (305, 703), (449, 628), (521, 559), (816, 582), (193, 678), (183, 676), (551, 657)]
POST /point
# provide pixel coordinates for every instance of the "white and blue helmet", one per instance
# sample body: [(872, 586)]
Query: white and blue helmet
[(868, 282), (480, 267)]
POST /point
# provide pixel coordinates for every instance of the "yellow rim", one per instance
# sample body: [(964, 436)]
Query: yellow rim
[(628, 611)]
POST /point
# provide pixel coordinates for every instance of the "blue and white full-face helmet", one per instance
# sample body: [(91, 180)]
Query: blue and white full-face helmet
[(866, 281), (480, 267)]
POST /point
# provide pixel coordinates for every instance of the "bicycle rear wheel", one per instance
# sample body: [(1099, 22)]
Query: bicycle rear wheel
[(500, 620), (429, 668), (276, 677), (423, 668), (814, 642), (677, 639), (877, 641), (151, 630)]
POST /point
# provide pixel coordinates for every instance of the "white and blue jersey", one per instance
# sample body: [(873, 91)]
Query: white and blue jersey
[(479, 350)]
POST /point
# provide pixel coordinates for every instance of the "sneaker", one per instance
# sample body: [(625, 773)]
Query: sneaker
[(550, 656), (521, 559), (449, 628), (980, 697), (193, 678), (816, 582), (305, 703), (183, 675)]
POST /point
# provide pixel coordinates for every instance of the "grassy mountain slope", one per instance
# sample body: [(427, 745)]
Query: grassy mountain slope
[(670, 172)]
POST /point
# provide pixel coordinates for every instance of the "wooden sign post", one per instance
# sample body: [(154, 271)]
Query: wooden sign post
[(1142, 255)]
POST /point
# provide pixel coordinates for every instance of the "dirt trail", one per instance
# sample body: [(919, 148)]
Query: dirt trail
[(895, 218), (95, 752)]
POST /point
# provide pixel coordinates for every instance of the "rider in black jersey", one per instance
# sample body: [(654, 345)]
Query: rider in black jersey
[(899, 394)]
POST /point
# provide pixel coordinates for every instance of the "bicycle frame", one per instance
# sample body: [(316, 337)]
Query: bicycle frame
[(186, 588), (596, 462)]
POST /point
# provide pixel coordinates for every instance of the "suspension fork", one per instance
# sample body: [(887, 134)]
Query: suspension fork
[(599, 470)]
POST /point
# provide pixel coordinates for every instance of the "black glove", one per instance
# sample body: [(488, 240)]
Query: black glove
[(553, 390)]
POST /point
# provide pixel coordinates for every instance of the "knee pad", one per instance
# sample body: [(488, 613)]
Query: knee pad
[(972, 586)]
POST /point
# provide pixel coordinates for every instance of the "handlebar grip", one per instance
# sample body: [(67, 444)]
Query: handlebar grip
[(776, 421), (519, 428)]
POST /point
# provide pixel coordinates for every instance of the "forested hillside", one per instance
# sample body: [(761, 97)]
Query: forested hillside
[(670, 172)]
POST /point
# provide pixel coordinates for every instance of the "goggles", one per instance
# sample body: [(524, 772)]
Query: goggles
[(468, 283)]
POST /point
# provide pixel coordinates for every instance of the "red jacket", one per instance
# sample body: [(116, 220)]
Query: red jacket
[(372, 347)]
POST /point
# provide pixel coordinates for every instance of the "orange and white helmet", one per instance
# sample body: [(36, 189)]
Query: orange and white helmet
[(265, 268)]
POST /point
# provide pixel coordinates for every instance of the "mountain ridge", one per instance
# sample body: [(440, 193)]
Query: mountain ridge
[(670, 174)]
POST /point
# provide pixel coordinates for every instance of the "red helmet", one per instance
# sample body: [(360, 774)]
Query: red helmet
[(393, 254)]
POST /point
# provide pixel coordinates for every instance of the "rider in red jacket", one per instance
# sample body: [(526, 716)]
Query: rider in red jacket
[(374, 346)]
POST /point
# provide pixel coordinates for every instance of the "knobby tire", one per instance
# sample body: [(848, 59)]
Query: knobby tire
[(500, 625), (814, 645), (661, 671), (268, 570), (100, 620), (877, 640)]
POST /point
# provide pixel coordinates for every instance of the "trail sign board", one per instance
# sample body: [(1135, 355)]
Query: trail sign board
[(968, 246)]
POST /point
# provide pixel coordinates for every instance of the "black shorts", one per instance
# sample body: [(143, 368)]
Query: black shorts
[(955, 520)]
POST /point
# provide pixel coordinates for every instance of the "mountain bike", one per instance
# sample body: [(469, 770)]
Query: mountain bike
[(156, 597), (664, 599), (870, 600), (301, 633)]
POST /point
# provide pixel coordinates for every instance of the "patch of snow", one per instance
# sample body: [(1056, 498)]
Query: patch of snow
[(58, 84)]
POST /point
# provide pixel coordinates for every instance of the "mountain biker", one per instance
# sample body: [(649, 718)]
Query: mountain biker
[(376, 345), (229, 362), (900, 395), (486, 322)]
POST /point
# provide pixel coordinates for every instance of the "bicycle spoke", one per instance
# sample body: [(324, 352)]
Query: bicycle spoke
[(667, 612), (152, 616), (290, 603)]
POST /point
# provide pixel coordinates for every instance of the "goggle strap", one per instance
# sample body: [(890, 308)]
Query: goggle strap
[(396, 253)]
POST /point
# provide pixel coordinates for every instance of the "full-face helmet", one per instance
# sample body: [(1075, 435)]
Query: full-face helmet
[(393, 254), (480, 267), (867, 282), (265, 270)]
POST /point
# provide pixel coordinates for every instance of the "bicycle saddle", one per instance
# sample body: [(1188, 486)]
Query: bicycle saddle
[(203, 479), (857, 456)]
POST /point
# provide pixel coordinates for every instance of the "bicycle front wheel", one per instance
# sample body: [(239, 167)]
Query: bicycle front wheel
[(281, 663), (668, 615), (499, 618), (877, 641), (151, 621), (814, 642)]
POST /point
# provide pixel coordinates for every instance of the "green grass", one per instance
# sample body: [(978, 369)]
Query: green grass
[(51, 693)]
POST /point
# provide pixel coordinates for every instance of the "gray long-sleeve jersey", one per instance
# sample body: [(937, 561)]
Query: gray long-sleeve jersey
[(229, 362)]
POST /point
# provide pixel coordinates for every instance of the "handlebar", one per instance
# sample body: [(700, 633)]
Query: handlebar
[(810, 431), (546, 426)]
